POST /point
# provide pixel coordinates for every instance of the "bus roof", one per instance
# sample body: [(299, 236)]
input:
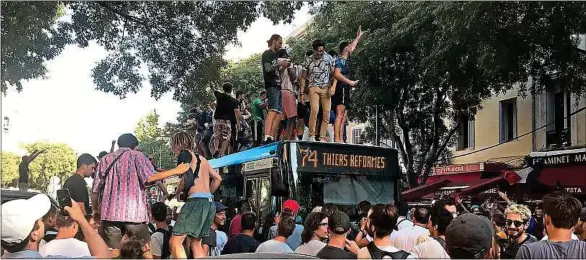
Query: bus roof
[(270, 150)]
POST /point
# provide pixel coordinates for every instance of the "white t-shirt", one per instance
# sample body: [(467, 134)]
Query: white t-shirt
[(274, 246), (429, 249), (364, 254), (402, 223), (310, 248), (69, 247), (406, 239)]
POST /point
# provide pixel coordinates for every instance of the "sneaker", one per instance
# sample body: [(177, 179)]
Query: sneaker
[(312, 138), (268, 141)]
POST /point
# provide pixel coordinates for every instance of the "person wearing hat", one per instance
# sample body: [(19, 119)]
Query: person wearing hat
[(215, 242), (580, 228), (23, 228), (339, 247), (290, 209), (470, 236)]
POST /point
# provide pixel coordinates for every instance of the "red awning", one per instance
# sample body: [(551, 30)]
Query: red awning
[(569, 177), (422, 190), (482, 186), (459, 177)]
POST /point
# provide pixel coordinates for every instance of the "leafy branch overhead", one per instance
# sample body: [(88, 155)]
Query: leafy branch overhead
[(180, 43)]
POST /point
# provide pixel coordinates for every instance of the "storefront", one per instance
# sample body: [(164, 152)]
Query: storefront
[(565, 169)]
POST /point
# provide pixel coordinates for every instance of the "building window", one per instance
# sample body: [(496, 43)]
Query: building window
[(508, 120), (357, 136), (559, 123), (466, 133), (6, 124)]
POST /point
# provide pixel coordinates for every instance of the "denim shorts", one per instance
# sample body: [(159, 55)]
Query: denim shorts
[(275, 100)]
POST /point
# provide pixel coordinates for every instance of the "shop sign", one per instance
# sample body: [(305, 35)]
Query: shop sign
[(458, 168), (561, 160)]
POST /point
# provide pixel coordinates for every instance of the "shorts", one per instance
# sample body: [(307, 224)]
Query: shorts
[(206, 136), (275, 100), (289, 104), (222, 130), (257, 131), (113, 231), (341, 97), (195, 218)]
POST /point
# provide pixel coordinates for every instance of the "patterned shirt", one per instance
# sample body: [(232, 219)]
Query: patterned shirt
[(344, 66), (319, 71), (124, 195)]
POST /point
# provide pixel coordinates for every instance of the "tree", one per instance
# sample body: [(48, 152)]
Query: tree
[(153, 141), (429, 65), (29, 39), (245, 75), (181, 43), (59, 160), (10, 163)]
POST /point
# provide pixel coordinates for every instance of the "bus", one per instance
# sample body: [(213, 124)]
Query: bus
[(313, 173)]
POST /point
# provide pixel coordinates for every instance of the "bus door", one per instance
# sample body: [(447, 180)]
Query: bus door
[(257, 190)]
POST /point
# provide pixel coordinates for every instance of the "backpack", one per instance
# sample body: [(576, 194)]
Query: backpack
[(166, 250), (190, 176), (377, 253)]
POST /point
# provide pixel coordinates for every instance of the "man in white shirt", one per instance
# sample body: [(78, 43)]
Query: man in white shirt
[(65, 244), (406, 238), (403, 222)]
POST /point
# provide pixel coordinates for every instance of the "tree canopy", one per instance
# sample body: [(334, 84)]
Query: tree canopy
[(154, 141), (10, 163), (429, 65), (180, 43), (59, 160)]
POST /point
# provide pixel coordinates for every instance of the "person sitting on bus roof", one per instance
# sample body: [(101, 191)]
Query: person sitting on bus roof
[(199, 210)]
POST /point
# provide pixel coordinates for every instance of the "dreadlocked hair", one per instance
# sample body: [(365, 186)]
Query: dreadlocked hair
[(182, 140)]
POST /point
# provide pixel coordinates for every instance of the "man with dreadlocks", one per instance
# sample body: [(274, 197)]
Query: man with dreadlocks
[(199, 181)]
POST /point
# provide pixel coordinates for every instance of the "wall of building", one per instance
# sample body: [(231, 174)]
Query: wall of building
[(487, 133)]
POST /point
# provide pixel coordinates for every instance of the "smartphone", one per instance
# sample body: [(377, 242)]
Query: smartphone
[(64, 199)]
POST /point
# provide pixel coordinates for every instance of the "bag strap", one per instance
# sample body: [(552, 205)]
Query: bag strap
[(106, 173)]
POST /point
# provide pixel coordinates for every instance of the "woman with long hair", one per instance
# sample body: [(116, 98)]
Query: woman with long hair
[(315, 232)]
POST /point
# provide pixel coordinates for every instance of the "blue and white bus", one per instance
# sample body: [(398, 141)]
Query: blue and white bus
[(313, 173)]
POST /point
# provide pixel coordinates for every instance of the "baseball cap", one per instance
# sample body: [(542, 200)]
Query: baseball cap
[(339, 222), (19, 217), (291, 204), (220, 207), (470, 232)]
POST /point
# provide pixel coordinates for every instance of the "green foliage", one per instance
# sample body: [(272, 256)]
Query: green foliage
[(246, 75), (428, 65), (29, 38), (181, 43), (10, 163), (59, 160), (154, 140)]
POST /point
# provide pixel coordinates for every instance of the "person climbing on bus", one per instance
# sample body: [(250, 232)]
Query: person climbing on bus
[(199, 181)]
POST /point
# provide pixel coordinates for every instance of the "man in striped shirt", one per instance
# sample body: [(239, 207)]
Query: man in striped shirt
[(119, 192)]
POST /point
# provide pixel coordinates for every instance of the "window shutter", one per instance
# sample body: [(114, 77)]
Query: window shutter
[(471, 133)]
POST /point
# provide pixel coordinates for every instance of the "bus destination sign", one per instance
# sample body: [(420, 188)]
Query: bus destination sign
[(324, 157)]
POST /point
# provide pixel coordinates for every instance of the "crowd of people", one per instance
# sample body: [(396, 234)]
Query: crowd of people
[(307, 96)]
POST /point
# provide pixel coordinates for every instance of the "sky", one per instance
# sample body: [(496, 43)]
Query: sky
[(66, 108)]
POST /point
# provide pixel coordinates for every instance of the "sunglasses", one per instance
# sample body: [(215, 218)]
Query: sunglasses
[(515, 222)]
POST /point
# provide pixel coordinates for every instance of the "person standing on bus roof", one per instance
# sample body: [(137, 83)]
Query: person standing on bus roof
[(341, 99), (271, 66), (199, 210)]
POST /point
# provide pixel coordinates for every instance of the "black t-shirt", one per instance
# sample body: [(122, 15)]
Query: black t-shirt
[(240, 244), (330, 252), (226, 106), (210, 240), (511, 249), (23, 172), (78, 191), (271, 78)]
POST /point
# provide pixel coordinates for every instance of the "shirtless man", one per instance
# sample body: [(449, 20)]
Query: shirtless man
[(199, 210)]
